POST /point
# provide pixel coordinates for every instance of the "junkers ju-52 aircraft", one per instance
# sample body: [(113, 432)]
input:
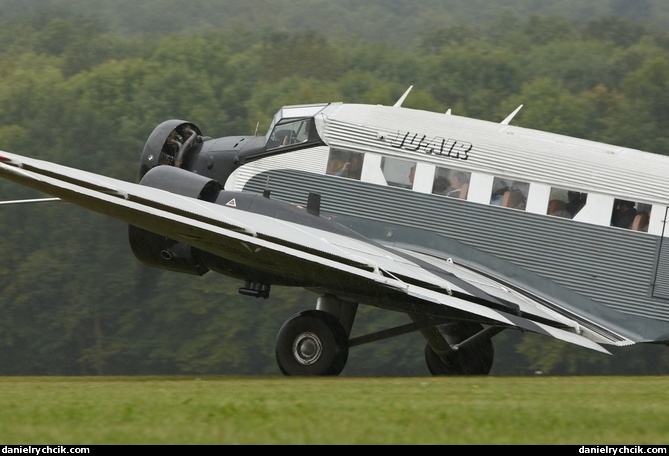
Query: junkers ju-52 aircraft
[(468, 227)]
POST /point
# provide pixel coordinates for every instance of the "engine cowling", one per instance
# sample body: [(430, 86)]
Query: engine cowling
[(168, 143), (162, 252)]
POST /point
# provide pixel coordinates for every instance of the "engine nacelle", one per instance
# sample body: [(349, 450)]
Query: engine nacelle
[(162, 252), (168, 143)]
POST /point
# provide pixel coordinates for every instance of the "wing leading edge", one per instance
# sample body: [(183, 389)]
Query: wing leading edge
[(337, 263)]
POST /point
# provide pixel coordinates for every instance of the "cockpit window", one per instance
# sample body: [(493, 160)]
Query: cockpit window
[(296, 113), (292, 132)]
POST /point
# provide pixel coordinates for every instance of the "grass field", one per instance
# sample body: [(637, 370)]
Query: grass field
[(280, 410)]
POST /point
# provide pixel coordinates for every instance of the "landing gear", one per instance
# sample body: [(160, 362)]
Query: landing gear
[(311, 343), (316, 342), (473, 358)]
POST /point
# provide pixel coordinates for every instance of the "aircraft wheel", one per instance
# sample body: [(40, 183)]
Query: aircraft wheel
[(475, 359), (310, 343), (436, 365)]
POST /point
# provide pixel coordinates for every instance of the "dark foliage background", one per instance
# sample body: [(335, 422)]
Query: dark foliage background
[(84, 82)]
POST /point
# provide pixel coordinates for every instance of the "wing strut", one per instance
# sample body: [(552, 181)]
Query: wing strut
[(392, 332), (33, 200)]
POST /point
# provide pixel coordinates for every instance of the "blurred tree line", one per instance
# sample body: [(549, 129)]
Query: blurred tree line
[(73, 299)]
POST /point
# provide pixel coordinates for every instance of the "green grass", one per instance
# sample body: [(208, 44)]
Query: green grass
[(280, 410)]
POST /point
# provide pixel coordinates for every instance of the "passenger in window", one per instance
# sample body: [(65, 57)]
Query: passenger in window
[(623, 213), (344, 170), (441, 185), (351, 169), (498, 193), (641, 221), (558, 208), (576, 202), (514, 198), (459, 185)]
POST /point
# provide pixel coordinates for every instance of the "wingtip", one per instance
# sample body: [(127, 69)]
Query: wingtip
[(8, 159)]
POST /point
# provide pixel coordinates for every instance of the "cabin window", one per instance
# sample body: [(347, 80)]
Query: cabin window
[(450, 182), (565, 203), (509, 193), (398, 173), (345, 163), (630, 215)]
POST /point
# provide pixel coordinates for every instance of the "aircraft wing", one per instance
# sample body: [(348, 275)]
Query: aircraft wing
[(314, 258)]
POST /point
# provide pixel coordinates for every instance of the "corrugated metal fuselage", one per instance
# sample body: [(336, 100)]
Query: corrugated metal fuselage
[(622, 269)]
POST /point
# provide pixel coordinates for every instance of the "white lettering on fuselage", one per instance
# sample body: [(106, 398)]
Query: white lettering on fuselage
[(414, 142)]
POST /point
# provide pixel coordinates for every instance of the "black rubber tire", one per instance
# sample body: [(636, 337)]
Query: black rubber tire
[(474, 359), (312, 343)]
